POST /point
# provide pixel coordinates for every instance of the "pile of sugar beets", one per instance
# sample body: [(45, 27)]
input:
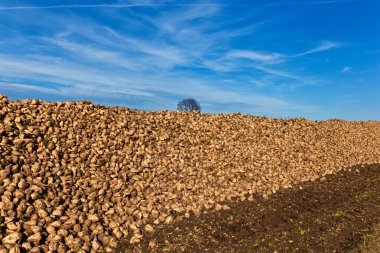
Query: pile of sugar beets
[(80, 177)]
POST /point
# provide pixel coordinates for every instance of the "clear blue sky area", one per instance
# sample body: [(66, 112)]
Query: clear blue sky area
[(315, 59)]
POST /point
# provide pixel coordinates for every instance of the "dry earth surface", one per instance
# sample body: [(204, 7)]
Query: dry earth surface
[(370, 242), (80, 177)]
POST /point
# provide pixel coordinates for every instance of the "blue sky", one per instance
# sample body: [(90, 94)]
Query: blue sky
[(315, 59)]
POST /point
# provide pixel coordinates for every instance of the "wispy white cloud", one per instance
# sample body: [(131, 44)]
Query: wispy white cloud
[(306, 3), (167, 55), (133, 4), (95, 54), (261, 61), (29, 87), (324, 46), (219, 66), (69, 78), (262, 83), (94, 59), (178, 20), (155, 4), (71, 6), (102, 6), (74, 76), (286, 74), (270, 58), (346, 69)]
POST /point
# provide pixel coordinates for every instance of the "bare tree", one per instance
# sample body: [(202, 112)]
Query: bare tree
[(189, 104)]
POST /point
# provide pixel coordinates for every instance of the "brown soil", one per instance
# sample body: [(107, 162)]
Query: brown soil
[(371, 242), (330, 215)]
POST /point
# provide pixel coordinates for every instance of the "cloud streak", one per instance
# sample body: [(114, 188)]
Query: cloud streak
[(74, 6), (262, 60), (160, 54), (151, 4), (306, 3), (324, 46), (287, 75), (346, 69), (270, 58), (102, 6)]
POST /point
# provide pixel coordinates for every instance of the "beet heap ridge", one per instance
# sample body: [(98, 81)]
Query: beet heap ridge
[(78, 176)]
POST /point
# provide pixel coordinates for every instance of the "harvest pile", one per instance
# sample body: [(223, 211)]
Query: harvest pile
[(78, 176)]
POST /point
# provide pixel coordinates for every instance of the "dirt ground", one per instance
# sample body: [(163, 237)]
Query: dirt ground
[(371, 242), (329, 215)]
